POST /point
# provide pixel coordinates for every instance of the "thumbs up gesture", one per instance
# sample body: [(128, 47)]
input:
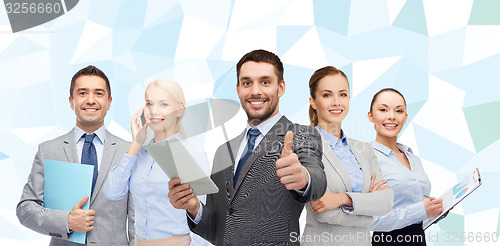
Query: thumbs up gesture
[(291, 173)]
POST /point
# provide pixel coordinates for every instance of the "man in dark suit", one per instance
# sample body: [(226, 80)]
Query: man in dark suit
[(88, 142), (264, 177)]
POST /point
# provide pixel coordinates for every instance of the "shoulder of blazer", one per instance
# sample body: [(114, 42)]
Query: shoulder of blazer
[(63, 139), (282, 127), (114, 140)]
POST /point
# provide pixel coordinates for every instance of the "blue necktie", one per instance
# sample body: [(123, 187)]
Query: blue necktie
[(252, 135), (89, 155)]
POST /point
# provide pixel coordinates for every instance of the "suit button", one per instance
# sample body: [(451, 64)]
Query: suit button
[(231, 211)]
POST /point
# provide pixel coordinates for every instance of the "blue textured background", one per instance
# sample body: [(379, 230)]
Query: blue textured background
[(442, 55)]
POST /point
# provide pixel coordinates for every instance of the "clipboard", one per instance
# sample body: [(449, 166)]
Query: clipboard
[(456, 194), (177, 162)]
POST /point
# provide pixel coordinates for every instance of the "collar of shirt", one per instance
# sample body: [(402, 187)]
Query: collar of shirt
[(387, 151), (177, 135), (265, 126), (330, 139), (100, 133)]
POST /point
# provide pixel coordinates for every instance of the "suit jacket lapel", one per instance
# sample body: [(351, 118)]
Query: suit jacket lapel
[(70, 147), (108, 154), (360, 155), (277, 132), (335, 163)]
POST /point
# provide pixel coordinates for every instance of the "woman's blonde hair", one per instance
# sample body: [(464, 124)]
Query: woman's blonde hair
[(176, 91)]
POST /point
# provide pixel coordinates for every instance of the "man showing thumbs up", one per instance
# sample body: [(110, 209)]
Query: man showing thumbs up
[(265, 175)]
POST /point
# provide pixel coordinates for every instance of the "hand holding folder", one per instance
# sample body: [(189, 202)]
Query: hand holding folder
[(65, 185), (81, 220)]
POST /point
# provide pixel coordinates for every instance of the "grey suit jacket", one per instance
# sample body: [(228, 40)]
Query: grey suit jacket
[(340, 223), (259, 210), (110, 225)]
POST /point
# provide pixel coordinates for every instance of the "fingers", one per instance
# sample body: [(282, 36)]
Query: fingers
[(434, 207), (438, 202), (371, 182), (178, 190), (291, 173), (378, 184), (173, 182), (137, 116), (320, 210), (82, 202), (179, 194), (180, 202), (285, 166), (292, 182), (287, 148), (90, 224), (318, 206), (81, 220), (382, 188)]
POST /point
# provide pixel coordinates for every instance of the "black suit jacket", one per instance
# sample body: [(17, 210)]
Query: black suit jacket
[(259, 210)]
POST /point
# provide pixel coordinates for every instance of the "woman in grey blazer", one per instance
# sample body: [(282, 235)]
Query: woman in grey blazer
[(356, 190)]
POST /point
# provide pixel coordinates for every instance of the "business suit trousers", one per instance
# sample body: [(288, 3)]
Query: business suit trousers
[(176, 240), (411, 235)]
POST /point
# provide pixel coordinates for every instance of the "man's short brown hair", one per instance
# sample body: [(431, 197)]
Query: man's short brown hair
[(261, 56), (89, 71)]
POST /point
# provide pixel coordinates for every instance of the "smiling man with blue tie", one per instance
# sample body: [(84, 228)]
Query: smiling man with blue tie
[(88, 143), (264, 175)]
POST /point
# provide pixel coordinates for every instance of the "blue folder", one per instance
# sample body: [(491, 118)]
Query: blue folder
[(65, 185)]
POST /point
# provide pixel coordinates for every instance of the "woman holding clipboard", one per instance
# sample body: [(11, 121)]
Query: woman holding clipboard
[(404, 173), (157, 222)]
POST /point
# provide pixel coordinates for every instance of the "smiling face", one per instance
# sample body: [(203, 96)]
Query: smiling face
[(259, 91), (91, 101), (332, 101), (388, 114), (162, 111)]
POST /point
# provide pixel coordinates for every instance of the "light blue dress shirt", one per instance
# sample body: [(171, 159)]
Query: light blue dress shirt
[(155, 217), (409, 187), (346, 157)]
